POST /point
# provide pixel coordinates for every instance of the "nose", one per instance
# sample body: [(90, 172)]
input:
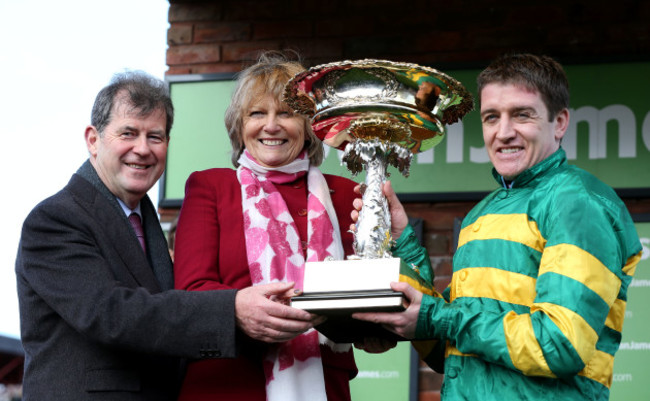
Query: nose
[(141, 145), (271, 123), (505, 129)]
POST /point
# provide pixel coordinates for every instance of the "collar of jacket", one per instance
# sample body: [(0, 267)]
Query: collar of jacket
[(88, 173), (557, 159)]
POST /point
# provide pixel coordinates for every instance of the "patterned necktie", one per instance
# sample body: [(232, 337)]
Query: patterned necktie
[(134, 219)]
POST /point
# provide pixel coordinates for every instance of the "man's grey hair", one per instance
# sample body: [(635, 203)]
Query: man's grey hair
[(143, 92)]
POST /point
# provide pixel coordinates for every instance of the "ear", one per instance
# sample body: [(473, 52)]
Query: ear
[(92, 136), (561, 124)]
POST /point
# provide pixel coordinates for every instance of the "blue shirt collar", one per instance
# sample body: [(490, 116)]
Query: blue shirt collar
[(127, 210)]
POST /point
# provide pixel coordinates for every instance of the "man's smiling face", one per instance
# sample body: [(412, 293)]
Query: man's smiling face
[(516, 128), (130, 155)]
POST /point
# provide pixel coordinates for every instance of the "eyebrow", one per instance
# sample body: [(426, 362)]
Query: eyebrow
[(530, 110), (511, 111), (130, 128)]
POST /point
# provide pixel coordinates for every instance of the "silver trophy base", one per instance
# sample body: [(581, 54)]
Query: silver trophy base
[(337, 289)]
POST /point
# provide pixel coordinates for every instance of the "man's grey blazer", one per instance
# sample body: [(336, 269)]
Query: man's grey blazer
[(98, 318)]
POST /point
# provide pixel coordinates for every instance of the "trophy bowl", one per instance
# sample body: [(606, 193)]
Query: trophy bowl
[(379, 113), (337, 94)]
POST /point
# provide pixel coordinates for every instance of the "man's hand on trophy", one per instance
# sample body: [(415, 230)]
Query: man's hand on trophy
[(400, 323), (398, 216), (375, 345), (260, 314)]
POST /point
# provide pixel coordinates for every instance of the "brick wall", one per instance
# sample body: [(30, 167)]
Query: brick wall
[(217, 36), (224, 36)]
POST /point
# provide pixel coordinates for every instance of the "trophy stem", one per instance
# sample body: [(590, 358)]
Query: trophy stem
[(372, 239), (374, 217)]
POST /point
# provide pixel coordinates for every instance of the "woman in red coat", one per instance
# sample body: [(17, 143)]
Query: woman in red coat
[(258, 224)]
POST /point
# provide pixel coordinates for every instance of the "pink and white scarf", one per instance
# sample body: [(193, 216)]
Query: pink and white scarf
[(294, 369)]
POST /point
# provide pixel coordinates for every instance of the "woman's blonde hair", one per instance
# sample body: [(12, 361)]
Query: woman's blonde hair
[(267, 76)]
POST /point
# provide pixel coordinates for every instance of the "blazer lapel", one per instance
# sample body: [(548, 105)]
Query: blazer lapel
[(112, 221)]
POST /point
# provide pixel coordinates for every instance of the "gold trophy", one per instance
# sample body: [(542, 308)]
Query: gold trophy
[(379, 113)]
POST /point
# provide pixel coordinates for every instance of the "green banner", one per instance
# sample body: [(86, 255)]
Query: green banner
[(198, 139), (608, 135), (391, 375), (631, 373)]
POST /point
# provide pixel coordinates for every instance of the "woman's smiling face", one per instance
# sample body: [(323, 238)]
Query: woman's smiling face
[(272, 133)]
